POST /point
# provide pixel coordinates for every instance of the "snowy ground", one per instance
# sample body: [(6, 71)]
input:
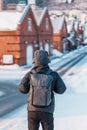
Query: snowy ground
[(71, 107)]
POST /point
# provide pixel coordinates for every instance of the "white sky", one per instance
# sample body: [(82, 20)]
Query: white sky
[(71, 107)]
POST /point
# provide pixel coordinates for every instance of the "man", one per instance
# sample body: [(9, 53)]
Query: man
[(41, 114)]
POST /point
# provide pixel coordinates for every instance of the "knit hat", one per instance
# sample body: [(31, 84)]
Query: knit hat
[(41, 57)]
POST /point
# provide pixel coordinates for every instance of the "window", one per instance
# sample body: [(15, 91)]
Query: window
[(47, 24), (41, 45), (29, 24)]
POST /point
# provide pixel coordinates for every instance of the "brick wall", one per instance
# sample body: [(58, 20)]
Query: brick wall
[(14, 42)]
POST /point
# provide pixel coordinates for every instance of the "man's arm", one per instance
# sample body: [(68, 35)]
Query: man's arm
[(59, 86), (24, 86)]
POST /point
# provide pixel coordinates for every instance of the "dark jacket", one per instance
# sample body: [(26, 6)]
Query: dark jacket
[(58, 86)]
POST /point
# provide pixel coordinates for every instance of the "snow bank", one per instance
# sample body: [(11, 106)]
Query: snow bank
[(57, 53), (11, 67), (77, 77)]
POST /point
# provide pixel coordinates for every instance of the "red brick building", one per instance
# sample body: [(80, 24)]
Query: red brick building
[(45, 29), (21, 35), (18, 37), (60, 32)]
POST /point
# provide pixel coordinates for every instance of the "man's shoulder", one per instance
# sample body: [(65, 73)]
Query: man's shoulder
[(54, 73)]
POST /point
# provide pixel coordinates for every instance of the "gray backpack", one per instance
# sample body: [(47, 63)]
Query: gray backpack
[(40, 89)]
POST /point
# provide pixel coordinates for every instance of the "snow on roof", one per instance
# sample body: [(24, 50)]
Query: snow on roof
[(10, 19), (55, 12), (39, 15), (24, 13), (57, 23)]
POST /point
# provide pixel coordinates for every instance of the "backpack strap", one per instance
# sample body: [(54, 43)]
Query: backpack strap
[(49, 71)]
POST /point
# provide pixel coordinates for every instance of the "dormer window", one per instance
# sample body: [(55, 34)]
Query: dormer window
[(47, 24), (29, 24)]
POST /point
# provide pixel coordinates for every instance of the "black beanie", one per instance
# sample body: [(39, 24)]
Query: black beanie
[(41, 57)]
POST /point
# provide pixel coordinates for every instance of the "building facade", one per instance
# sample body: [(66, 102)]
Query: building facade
[(59, 33), (21, 35), (18, 38), (45, 29)]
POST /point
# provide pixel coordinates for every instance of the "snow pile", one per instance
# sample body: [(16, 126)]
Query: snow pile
[(57, 53), (12, 67), (9, 20), (77, 77)]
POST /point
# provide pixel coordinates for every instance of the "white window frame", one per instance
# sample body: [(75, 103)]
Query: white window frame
[(47, 24), (29, 24)]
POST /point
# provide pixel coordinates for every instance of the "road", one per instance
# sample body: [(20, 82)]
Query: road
[(12, 98)]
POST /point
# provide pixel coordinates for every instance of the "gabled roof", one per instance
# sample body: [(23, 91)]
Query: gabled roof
[(24, 14), (57, 23), (10, 19), (39, 15)]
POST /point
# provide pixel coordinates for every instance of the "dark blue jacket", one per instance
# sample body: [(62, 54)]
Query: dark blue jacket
[(58, 87)]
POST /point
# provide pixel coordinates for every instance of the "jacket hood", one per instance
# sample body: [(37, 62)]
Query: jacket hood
[(40, 68), (41, 58)]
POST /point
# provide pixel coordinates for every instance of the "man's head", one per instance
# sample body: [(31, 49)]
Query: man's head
[(41, 57)]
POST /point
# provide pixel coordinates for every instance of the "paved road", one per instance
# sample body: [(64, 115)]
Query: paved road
[(12, 98)]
